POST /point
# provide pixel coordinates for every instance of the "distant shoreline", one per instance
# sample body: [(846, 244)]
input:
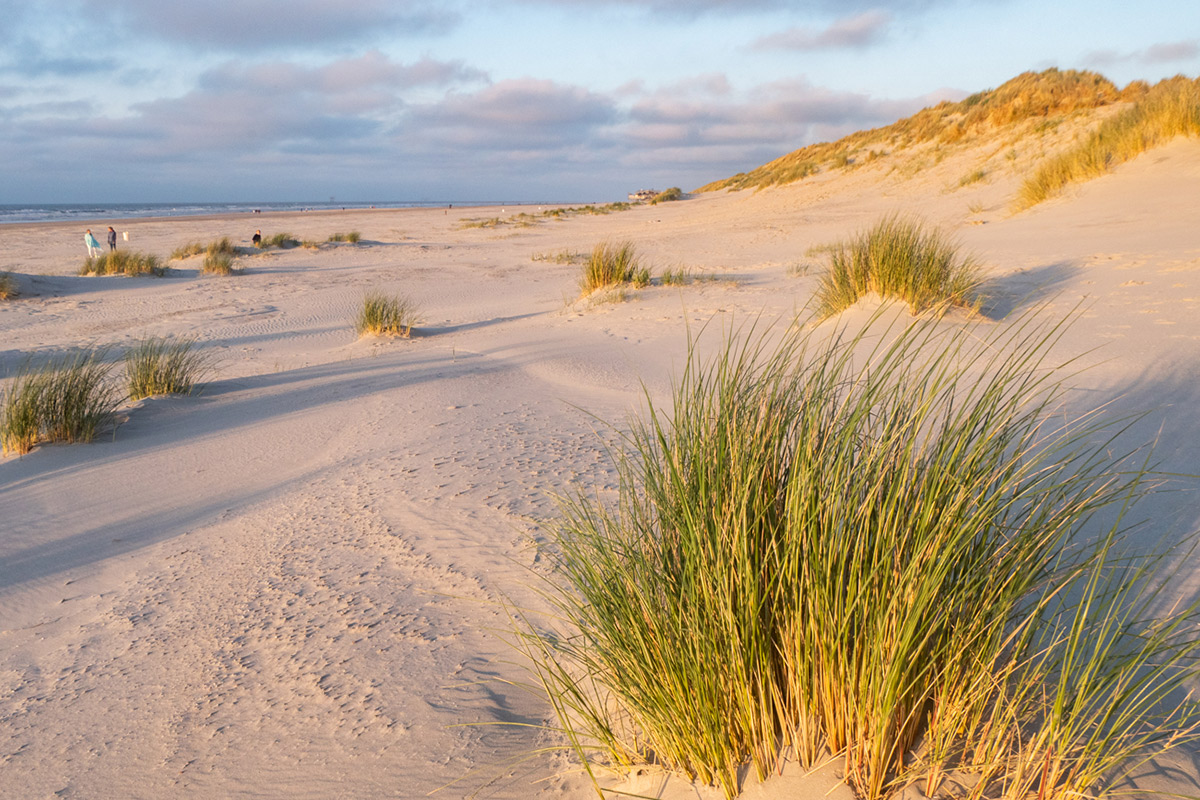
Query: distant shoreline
[(94, 214), (91, 222)]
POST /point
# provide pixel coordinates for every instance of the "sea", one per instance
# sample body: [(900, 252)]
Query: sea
[(106, 211)]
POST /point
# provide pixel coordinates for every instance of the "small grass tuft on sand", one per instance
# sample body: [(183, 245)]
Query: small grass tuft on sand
[(283, 241), (164, 366), (668, 196), (386, 315), (899, 257), (219, 263), (222, 245), (353, 237), (612, 264), (8, 286), (123, 262), (68, 399)]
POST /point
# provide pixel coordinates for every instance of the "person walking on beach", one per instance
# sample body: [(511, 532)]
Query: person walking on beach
[(112, 238), (92, 245)]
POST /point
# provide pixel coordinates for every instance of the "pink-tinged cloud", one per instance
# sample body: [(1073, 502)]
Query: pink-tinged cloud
[(521, 114), (1171, 51), (272, 24), (858, 31)]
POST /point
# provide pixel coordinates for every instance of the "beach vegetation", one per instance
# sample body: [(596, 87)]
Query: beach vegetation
[(972, 177), (219, 263), (563, 256), (67, 399), (902, 258), (8, 286), (123, 262), (386, 315), (1038, 96), (283, 241), (668, 195), (188, 250), (353, 237), (885, 545), (1169, 109), (158, 366), (676, 276), (611, 264), (222, 245)]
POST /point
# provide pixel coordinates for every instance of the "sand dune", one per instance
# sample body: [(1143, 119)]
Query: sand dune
[(291, 585)]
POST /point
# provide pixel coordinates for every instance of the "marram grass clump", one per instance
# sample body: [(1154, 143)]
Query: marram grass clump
[(219, 263), (164, 366), (900, 257), (67, 399), (123, 262), (353, 237), (386, 315), (8, 286), (1169, 109), (611, 265), (884, 545)]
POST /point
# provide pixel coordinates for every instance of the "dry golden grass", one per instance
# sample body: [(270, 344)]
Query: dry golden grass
[(1169, 109), (1028, 96)]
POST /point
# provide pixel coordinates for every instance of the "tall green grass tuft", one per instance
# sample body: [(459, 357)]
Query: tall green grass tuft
[(69, 399), (1169, 109), (881, 545), (668, 196), (123, 262), (386, 315), (899, 257), (164, 366), (612, 264), (353, 237), (8, 286)]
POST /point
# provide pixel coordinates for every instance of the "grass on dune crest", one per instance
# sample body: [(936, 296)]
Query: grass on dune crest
[(612, 264), (1169, 109), (900, 257), (8, 286), (164, 366), (68, 399), (1030, 95), (123, 262), (386, 315), (880, 545)]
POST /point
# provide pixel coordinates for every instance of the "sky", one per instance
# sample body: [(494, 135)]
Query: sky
[(518, 100)]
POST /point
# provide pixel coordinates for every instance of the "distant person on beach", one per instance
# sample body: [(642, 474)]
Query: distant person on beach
[(92, 245), (112, 238), (256, 238)]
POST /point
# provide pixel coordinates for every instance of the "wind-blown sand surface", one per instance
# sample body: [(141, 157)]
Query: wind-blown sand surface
[(290, 585)]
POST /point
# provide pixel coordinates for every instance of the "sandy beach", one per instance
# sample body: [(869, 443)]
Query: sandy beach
[(293, 584)]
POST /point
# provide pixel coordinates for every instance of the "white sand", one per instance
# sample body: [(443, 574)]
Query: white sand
[(288, 587)]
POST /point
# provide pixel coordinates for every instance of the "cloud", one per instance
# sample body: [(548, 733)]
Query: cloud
[(519, 115), (30, 60), (862, 30), (698, 8), (1170, 51), (270, 24), (1161, 53)]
